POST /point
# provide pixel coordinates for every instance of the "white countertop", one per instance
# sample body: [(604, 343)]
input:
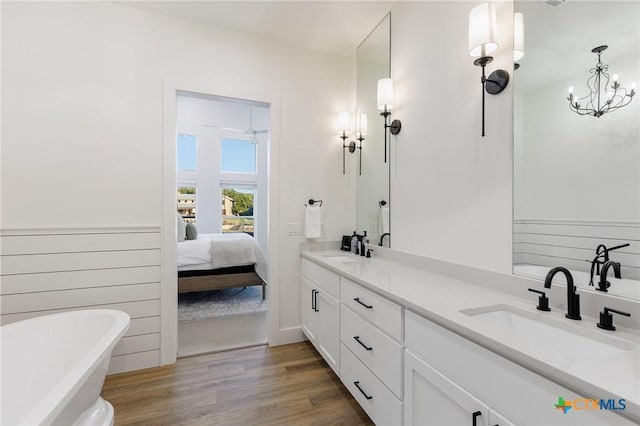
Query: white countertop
[(441, 298)]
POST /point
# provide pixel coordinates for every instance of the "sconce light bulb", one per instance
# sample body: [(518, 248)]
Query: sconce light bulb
[(633, 85), (482, 30), (362, 124), (615, 77), (570, 90), (343, 123), (385, 94)]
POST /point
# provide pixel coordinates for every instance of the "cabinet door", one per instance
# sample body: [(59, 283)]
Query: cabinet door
[(328, 329), (309, 315), (432, 399)]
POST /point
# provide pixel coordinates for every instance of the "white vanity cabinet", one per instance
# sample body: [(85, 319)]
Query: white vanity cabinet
[(371, 351), (404, 369), (431, 399), (441, 363), (320, 292)]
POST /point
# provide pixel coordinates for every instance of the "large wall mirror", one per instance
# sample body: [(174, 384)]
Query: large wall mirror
[(372, 174), (577, 177)]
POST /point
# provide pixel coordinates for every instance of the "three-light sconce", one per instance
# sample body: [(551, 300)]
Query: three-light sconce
[(482, 42), (385, 105)]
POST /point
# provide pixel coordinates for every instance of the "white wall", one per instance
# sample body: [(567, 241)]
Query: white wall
[(83, 107), (451, 188)]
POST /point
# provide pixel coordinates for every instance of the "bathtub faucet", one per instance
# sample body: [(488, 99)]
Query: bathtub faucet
[(604, 284), (602, 257)]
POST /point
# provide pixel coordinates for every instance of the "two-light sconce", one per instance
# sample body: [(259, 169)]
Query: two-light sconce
[(483, 41), (344, 129), (385, 105)]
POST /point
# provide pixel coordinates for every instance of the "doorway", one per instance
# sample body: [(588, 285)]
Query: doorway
[(221, 192)]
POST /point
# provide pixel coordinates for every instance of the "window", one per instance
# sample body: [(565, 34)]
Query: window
[(186, 155), (186, 203), (237, 209), (238, 156)]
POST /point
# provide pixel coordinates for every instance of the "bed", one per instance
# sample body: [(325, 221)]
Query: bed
[(219, 261)]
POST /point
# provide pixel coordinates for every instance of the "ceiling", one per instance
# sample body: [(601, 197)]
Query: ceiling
[(336, 27)]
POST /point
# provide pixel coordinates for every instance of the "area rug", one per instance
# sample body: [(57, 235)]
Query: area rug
[(220, 303)]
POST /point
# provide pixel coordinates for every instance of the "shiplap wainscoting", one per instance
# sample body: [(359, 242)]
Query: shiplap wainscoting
[(45, 271), (570, 243)]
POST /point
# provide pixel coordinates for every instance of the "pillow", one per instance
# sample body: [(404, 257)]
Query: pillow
[(192, 231), (182, 229)]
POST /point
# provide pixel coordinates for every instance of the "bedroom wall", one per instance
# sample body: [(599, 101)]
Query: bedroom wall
[(82, 128)]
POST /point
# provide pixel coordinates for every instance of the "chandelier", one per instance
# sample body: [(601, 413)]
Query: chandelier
[(602, 97)]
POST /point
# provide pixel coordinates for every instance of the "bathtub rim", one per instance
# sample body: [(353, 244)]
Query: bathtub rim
[(51, 405)]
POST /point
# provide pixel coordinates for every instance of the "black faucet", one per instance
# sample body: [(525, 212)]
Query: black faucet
[(386, 234), (573, 299), (602, 257), (603, 284)]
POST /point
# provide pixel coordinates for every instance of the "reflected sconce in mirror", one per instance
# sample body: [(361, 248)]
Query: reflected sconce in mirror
[(482, 42), (601, 98), (344, 131), (385, 104), (518, 39), (362, 132)]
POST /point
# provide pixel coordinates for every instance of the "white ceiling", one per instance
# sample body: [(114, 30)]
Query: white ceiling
[(327, 26)]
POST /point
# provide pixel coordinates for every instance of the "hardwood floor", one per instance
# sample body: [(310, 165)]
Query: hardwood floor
[(283, 385)]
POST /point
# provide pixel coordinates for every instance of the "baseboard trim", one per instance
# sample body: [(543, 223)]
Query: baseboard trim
[(289, 335)]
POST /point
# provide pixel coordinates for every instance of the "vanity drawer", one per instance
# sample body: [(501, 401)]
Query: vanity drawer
[(376, 400), (323, 278), (383, 313), (519, 393), (384, 358)]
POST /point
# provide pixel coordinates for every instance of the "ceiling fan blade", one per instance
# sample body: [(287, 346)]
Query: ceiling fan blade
[(224, 128)]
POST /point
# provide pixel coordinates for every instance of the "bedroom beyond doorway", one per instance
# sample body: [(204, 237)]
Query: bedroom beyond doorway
[(221, 204)]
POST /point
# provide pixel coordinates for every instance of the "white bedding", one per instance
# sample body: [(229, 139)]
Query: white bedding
[(214, 251)]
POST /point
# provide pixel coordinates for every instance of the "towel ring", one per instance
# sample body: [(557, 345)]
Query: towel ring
[(312, 202)]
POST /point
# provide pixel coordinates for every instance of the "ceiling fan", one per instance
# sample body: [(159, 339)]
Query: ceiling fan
[(250, 131)]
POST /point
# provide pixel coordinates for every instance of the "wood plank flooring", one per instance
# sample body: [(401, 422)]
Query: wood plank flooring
[(282, 385)]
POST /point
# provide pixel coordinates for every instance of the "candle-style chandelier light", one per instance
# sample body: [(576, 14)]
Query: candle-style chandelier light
[(603, 97)]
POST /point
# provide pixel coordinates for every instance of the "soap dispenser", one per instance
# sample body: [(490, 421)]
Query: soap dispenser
[(354, 242)]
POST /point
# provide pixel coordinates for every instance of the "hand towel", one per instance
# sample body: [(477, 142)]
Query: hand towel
[(383, 224), (312, 222)]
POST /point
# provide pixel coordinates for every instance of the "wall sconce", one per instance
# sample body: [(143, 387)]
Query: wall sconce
[(518, 38), (343, 130), (482, 42), (362, 132), (385, 104)]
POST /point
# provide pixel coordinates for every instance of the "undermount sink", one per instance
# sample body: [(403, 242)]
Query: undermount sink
[(552, 340), (340, 258)]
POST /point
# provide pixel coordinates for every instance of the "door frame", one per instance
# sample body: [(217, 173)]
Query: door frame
[(168, 280)]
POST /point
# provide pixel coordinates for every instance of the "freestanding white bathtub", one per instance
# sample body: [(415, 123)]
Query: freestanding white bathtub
[(53, 368)]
